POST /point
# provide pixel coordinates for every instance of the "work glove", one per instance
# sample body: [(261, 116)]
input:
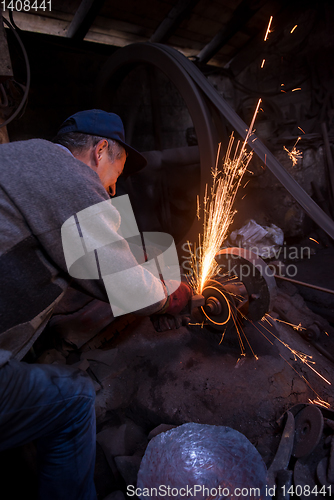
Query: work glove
[(164, 322), (175, 312)]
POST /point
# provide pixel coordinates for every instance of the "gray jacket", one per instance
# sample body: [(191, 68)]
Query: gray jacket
[(41, 186)]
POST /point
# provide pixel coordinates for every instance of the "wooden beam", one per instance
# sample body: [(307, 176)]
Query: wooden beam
[(173, 20), (5, 62), (84, 18), (240, 17)]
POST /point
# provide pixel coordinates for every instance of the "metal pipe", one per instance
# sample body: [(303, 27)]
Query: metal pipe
[(302, 283)]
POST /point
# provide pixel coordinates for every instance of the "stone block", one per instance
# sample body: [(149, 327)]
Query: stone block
[(122, 441)]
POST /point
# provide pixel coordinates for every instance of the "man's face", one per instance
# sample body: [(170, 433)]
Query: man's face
[(109, 170)]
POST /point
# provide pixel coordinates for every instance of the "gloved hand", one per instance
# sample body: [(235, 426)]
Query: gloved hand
[(164, 322), (177, 300), (169, 316)]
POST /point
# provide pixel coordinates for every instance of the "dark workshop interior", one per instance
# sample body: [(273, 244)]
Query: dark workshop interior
[(258, 353)]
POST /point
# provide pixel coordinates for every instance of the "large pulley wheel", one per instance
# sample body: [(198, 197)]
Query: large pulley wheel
[(208, 130)]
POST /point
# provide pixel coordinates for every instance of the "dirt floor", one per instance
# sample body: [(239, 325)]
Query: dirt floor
[(187, 375), (145, 379)]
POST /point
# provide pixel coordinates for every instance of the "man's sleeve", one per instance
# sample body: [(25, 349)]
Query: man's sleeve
[(49, 187)]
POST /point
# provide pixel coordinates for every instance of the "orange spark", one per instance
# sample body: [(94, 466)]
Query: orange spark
[(301, 130), (198, 209), (293, 90), (218, 208), (293, 29), (319, 402), (314, 240), (294, 154), (295, 327), (268, 29), (304, 358), (263, 63)]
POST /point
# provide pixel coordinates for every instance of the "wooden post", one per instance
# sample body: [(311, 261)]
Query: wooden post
[(5, 73), (5, 62), (3, 133)]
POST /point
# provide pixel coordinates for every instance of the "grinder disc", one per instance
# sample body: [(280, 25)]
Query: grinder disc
[(309, 426), (219, 309)]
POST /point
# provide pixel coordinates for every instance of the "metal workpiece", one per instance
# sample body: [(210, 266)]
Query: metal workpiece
[(243, 287), (255, 275)]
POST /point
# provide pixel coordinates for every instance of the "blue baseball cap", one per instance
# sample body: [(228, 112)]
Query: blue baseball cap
[(108, 125)]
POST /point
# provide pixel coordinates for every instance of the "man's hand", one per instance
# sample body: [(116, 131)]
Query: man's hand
[(175, 313), (164, 322), (178, 300)]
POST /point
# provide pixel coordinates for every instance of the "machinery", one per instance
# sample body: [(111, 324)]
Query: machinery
[(164, 193), (244, 286), (210, 114)]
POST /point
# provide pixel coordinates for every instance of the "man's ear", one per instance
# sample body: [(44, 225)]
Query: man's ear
[(100, 149)]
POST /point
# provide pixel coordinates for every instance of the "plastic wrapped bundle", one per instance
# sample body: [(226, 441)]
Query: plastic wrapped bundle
[(202, 461)]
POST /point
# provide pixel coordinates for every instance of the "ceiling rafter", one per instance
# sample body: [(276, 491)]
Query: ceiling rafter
[(84, 18), (240, 17), (176, 15)]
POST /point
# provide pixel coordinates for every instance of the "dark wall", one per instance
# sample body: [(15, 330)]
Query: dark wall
[(63, 76)]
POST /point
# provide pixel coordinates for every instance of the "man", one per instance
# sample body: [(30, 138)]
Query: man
[(42, 185)]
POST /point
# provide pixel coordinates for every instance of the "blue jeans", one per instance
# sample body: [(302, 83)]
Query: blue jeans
[(54, 406)]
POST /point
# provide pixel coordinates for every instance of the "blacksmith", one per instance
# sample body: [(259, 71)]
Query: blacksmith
[(43, 184)]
